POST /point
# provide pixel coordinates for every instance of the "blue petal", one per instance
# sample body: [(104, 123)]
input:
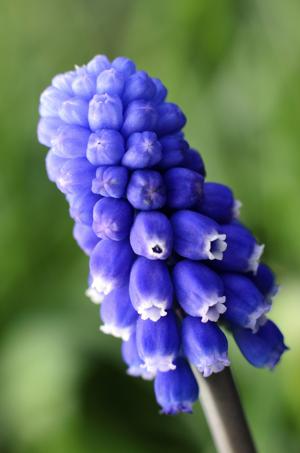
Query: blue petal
[(112, 219), (161, 91), (124, 65), (75, 111), (105, 147), (81, 207), (246, 306), (170, 119), (47, 129), (194, 161), (85, 237), (50, 101), (110, 181), (84, 84), (176, 390), (143, 150), (98, 64), (205, 345), (110, 265), (151, 235), (75, 176), (199, 290), (110, 81), (118, 314), (70, 141), (54, 164), (139, 116), (217, 202), (265, 281), (243, 252), (105, 112), (184, 188), (158, 343), (63, 82), (174, 148), (197, 237), (150, 288), (139, 86), (132, 359), (146, 190), (262, 349)]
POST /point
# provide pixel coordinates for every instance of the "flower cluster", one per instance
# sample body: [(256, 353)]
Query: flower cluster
[(169, 261)]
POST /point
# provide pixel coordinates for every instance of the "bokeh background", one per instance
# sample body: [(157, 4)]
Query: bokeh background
[(234, 67)]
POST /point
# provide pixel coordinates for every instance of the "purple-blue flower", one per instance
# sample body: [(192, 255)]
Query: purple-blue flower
[(169, 261)]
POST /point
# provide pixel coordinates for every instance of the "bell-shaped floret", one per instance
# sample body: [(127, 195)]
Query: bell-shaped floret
[(205, 345)]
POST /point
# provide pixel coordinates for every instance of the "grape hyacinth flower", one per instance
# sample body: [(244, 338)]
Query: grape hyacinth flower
[(169, 261)]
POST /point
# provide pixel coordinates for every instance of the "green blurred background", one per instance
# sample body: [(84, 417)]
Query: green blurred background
[(234, 68)]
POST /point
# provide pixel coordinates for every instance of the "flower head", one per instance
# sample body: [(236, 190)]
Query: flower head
[(169, 261)]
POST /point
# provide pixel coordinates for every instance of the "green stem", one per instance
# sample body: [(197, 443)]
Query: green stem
[(224, 413)]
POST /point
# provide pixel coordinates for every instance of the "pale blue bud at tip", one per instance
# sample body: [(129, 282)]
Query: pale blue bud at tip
[(84, 84), (150, 288), (146, 190), (110, 265), (151, 236), (184, 188), (262, 349), (199, 290), (158, 343), (112, 219), (105, 112), (205, 345), (133, 361), (246, 306), (98, 64), (143, 150), (124, 65), (176, 390), (110, 81), (110, 181), (197, 237), (105, 147), (118, 315)]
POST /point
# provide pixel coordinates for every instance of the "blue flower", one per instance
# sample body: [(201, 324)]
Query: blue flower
[(169, 262), (177, 390), (205, 345), (158, 342), (150, 296), (262, 349)]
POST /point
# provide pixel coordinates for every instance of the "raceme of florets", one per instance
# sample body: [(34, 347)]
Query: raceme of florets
[(170, 263)]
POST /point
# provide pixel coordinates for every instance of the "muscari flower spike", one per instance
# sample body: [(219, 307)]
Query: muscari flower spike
[(169, 261)]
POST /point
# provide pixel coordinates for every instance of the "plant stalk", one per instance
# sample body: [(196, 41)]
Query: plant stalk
[(224, 413)]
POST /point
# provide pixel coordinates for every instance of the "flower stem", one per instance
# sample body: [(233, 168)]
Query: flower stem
[(224, 413)]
